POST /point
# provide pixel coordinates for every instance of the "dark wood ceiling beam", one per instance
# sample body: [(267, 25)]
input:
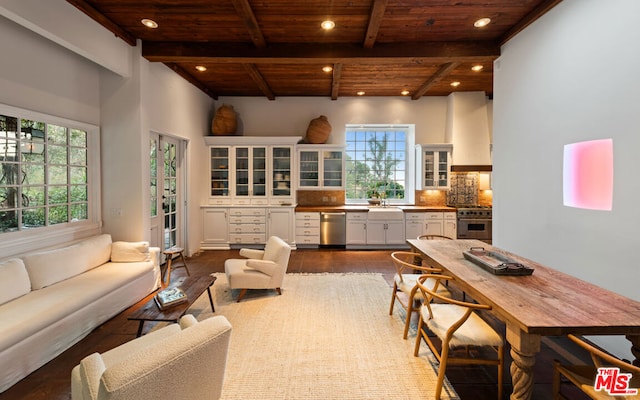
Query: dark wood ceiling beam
[(244, 10), (189, 78), (418, 53), (104, 21), (335, 83), (375, 20), (257, 77), (443, 71), (537, 12)]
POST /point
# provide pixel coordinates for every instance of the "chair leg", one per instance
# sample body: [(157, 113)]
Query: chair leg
[(393, 297), (184, 262), (241, 295), (407, 321), (416, 349), (500, 371)]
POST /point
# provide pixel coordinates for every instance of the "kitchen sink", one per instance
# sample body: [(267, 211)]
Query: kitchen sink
[(386, 213)]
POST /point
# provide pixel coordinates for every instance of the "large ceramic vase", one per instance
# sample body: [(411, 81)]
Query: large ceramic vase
[(225, 121), (318, 130)]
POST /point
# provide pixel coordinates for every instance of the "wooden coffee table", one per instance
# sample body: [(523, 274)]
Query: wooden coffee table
[(193, 287)]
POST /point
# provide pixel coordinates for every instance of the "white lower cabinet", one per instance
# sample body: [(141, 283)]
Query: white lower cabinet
[(414, 222), (434, 223), (385, 232), (308, 228), (280, 223), (247, 225), (215, 228), (356, 228), (450, 225)]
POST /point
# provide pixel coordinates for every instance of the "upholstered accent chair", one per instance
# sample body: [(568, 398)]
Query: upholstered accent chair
[(409, 267), (584, 375), (459, 329), (185, 360), (261, 269)]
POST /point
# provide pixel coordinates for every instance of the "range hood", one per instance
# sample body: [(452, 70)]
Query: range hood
[(468, 129)]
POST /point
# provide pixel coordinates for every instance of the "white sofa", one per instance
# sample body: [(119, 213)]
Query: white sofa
[(50, 300), (185, 361)]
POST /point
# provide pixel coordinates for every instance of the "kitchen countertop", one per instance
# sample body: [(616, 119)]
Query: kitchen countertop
[(365, 208)]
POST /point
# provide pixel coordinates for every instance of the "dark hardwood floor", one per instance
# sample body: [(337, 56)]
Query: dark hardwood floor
[(52, 381)]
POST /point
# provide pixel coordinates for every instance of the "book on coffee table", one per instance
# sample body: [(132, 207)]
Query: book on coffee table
[(170, 297)]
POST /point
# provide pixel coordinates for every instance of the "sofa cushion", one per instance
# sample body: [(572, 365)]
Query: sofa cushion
[(14, 280), (130, 252), (48, 267)]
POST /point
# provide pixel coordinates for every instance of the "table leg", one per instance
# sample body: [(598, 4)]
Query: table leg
[(210, 299), (635, 348), (140, 326), (168, 271), (524, 347)]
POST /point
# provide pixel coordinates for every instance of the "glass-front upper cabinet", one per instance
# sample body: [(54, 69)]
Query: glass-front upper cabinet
[(434, 166), (250, 183), (332, 168), (281, 157), (219, 174), (320, 166)]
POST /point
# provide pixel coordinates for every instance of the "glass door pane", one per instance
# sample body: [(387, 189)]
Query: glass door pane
[(429, 169), (332, 162), (281, 159), (259, 171), (219, 171), (242, 171), (309, 168)]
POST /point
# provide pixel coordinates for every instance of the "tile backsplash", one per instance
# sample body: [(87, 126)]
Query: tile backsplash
[(464, 189)]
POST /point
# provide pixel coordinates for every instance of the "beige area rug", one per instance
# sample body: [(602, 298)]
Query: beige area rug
[(328, 336)]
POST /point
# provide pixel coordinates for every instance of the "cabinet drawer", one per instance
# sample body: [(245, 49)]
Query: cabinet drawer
[(357, 216), (247, 211), (247, 219), (414, 216), (308, 239), (247, 238), (433, 215), (450, 215), (302, 231), (307, 223), (246, 228), (308, 216)]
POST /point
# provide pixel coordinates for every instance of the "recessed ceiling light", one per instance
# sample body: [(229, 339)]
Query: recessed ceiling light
[(482, 22), (404, 92), (327, 68), (360, 93), (149, 23), (477, 68), (201, 68), (328, 25), (455, 83)]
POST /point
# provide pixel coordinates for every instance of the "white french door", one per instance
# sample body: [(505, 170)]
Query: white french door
[(167, 191)]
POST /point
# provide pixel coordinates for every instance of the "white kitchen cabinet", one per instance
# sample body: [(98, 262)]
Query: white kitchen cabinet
[(219, 175), (414, 224), (450, 225), (385, 232), (247, 225), (280, 223), (433, 163), (433, 223), (320, 166), (281, 172), (356, 228), (215, 228), (250, 175), (307, 228)]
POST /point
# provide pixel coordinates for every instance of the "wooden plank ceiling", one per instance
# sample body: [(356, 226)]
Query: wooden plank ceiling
[(277, 48)]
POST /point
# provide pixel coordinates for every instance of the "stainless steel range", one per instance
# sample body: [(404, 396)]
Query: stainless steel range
[(474, 223)]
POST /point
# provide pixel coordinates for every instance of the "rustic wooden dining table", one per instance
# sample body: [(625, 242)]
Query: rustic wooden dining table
[(545, 303)]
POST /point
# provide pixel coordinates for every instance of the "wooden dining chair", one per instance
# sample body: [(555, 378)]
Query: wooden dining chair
[(434, 237), (584, 376), (408, 269), (458, 326)]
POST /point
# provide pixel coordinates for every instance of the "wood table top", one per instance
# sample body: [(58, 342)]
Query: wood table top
[(193, 287), (548, 302)]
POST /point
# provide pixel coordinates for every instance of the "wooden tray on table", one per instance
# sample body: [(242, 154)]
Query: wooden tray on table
[(496, 263)]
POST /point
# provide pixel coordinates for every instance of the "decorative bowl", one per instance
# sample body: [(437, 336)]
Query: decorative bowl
[(374, 202)]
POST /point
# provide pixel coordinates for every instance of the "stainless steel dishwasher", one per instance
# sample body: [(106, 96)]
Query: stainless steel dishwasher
[(333, 229)]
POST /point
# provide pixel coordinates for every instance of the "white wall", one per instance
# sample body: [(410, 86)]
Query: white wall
[(571, 76), (290, 116)]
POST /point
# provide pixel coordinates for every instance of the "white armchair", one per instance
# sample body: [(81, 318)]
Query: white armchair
[(185, 360), (262, 269)]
